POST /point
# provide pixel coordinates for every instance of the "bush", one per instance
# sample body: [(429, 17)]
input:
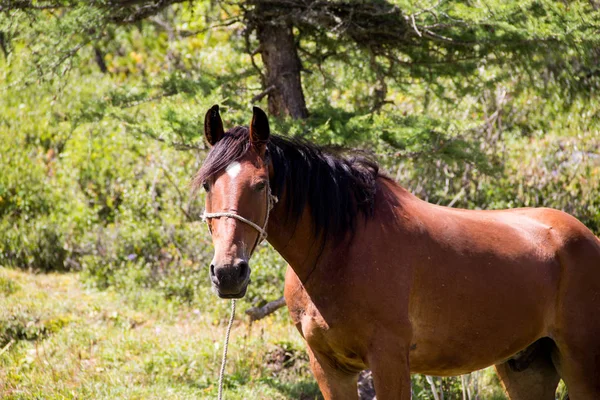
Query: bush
[(8, 286), (24, 326), (38, 246)]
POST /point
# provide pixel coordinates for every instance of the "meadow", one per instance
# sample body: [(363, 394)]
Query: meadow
[(62, 340)]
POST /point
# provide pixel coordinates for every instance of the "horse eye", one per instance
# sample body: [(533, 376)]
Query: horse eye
[(205, 186), (260, 186)]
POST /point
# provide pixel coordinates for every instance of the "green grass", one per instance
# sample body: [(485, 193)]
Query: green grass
[(61, 340)]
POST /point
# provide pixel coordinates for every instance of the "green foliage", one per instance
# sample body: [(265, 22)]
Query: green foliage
[(8, 286), (23, 326), (38, 245)]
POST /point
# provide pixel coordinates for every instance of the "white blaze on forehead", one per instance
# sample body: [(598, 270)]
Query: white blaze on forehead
[(233, 169)]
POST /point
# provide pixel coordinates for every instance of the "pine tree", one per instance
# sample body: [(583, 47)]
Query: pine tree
[(386, 40)]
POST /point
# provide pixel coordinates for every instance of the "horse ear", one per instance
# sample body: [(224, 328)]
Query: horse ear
[(213, 126), (259, 129)]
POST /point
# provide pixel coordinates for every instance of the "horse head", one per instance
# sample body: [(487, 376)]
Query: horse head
[(235, 176)]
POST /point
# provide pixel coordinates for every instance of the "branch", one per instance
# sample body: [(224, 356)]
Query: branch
[(148, 99), (167, 173), (251, 53), (184, 33), (5, 348), (457, 197), (176, 145), (262, 94), (28, 5), (257, 313), (99, 57), (3, 45), (434, 389)]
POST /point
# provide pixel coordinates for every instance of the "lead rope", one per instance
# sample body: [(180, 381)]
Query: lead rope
[(224, 360)]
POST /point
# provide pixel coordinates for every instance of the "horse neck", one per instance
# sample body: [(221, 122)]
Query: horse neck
[(295, 240)]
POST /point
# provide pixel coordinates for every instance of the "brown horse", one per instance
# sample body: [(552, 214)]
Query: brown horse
[(380, 279)]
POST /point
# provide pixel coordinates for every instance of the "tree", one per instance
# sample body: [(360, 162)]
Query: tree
[(387, 40), (400, 39)]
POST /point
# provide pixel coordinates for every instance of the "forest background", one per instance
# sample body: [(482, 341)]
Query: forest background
[(104, 293)]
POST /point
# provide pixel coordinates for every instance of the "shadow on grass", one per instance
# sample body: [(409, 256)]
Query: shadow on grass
[(305, 389)]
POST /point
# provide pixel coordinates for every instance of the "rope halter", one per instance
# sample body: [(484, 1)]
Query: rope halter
[(262, 231)]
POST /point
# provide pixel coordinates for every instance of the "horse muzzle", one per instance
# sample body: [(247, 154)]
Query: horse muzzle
[(230, 280)]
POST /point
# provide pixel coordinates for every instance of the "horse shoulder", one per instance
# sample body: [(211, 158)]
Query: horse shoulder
[(303, 312)]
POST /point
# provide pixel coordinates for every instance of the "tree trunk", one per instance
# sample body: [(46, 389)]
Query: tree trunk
[(280, 56)]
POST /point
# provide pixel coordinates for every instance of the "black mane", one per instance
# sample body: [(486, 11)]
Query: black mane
[(336, 184)]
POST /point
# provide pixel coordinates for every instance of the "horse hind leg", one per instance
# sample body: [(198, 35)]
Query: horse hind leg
[(577, 331), (579, 366), (530, 375)]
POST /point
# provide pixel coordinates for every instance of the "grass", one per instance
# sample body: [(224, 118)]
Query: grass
[(61, 340)]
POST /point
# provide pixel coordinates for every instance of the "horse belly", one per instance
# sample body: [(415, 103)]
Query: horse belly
[(479, 315)]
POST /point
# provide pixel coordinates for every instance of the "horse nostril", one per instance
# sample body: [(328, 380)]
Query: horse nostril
[(212, 270), (243, 266)]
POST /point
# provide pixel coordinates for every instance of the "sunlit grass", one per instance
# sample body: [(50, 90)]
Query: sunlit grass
[(101, 344), (60, 339)]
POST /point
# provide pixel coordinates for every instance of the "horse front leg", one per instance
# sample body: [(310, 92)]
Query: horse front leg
[(391, 372), (334, 383)]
